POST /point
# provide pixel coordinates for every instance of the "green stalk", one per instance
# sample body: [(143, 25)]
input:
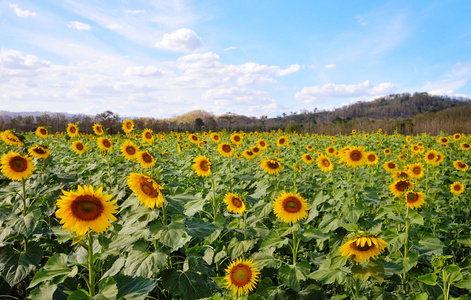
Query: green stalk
[(24, 197), (214, 196), (164, 213), (245, 226), (406, 246), (295, 248), (91, 270)]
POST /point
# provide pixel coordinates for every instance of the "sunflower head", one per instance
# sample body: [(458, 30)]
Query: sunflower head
[(147, 136), (248, 154), (307, 158), (236, 139), (128, 126), (465, 146), (72, 130), (78, 147), (145, 159), (262, 144), (282, 141), (104, 144), (86, 209), (363, 247), (309, 147), (11, 138), (148, 191), (193, 138), (129, 150), (324, 163), (387, 151), (98, 129), (354, 156), (41, 131), (457, 188), (290, 207), (271, 166), (371, 158), (390, 166), (234, 203), (414, 199), (202, 166), (460, 165), (416, 170), (39, 152), (225, 149), (16, 166), (241, 276), (331, 151), (214, 136), (400, 186)]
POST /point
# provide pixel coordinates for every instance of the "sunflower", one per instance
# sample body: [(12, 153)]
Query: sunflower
[(457, 188), (202, 166), (128, 126), (444, 141), (262, 144), (86, 209), (104, 144), (147, 136), (297, 167), (236, 138), (241, 276), (400, 186), (363, 247), (460, 165), (255, 149), (10, 138), (440, 159), (39, 152), (371, 158), (129, 150), (290, 208), (331, 151), (148, 191), (98, 129), (324, 163), (431, 157), (41, 131), (307, 158), (16, 166), (408, 139), (416, 170), (465, 146), (271, 166), (309, 147), (234, 203), (415, 148), (390, 166), (78, 147), (355, 156), (400, 175), (414, 199), (225, 149), (72, 130), (215, 137), (457, 136), (193, 138), (354, 131), (387, 151), (282, 141), (145, 159), (248, 154)]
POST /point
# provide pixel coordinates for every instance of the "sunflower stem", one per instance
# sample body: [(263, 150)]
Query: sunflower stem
[(295, 248), (164, 213), (214, 196), (91, 270), (245, 226), (24, 197)]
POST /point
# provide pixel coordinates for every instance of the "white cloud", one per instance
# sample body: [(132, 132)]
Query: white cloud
[(114, 26), (12, 59), (22, 13), (330, 66), (134, 12), (143, 71), (331, 90), (79, 26), (180, 40), (230, 48)]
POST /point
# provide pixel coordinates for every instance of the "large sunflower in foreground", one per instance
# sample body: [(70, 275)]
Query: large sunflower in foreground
[(98, 129), (86, 209), (363, 247), (457, 188), (129, 150), (10, 138), (72, 130), (128, 126), (241, 276), (78, 147), (234, 203), (202, 166), (148, 191), (290, 208), (145, 159), (400, 186), (104, 144), (16, 167), (414, 199), (271, 166), (41, 131), (39, 152), (225, 149)]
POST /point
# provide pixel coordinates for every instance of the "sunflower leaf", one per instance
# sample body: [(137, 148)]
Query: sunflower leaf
[(144, 264), (133, 287), (15, 266), (292, 276), (429, 279), (55, 269), (188, 284)]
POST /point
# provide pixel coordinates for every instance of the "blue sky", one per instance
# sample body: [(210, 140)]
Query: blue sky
[(165, 58)]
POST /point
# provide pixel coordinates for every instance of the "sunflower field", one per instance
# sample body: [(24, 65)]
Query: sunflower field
[(219, 215)]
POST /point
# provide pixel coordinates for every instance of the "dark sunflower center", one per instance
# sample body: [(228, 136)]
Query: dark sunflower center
[(431, 156), (355, 155), (39, 150), (262, 143), (438, 157), (466, 146), (128, 125), (130, 150), (416, 170), (461, 164), (325, 162), (79, 146), (249, 153), (292, 205), (273, 165), (43, 131), (240, 275), (282, 141), (371, 157), (402, 185), (106, 143), (72, 129), (457, 187), (194, 137), (308, 157), (204, 166), (148, 135), (18, 164), (226, 148), (412, 197), (147, 188), (87, 207), (237, 138), (216, 137), (331, 150), (147, 158), (391, 165), (236, 202), (365, 247), (255, 149)]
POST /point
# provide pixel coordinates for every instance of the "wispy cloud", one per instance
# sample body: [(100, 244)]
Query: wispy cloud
[(22, 13), (330, 66), (79, 26), (183, 39)]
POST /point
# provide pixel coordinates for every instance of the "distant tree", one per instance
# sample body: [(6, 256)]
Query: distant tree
[(109, 120)]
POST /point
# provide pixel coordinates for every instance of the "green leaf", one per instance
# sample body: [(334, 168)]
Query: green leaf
[(55, 269), (115, 268), (410, 261), (143, 263), (15, 266), (193, 205), (453, 273), (292, 276), (79, 295), (264, 258), (273, 239), (199, 229), (313, 233), (133, 287), (434, 246), (429, 279), (312, 291), (188, 284), (465, 240), (108, 288), (328, 276), (422, 296), (25, 225), (169, 235), (374, 269), (464, 284), (329, 223), (43, 292), (238, 248)]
